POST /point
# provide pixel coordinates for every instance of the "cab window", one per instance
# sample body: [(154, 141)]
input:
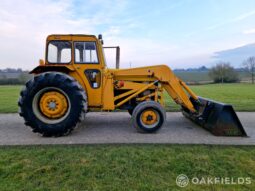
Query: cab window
[(85, 53), (59, 52)]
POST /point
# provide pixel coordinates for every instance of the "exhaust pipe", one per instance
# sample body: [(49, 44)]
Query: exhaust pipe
[(218, 118)]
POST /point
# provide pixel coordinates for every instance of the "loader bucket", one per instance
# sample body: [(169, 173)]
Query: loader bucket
[(218, 118)]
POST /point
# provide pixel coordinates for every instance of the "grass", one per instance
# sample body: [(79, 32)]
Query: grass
[(128, 167), (202, 76), (193, 76), (9, 96), (241, 96), (122, 167)]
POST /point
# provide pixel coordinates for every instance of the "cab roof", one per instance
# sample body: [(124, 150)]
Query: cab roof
[(58, 36)]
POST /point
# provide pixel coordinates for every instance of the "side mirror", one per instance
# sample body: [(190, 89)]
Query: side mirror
[(41, 62)]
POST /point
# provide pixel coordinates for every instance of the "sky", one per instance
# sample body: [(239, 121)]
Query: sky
[(179, 33)]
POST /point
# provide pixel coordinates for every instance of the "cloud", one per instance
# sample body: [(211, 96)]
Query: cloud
[(231, 21), (141, 51), (223, 24), (249, 31), (113, 31), (244, 16), (24, 25)]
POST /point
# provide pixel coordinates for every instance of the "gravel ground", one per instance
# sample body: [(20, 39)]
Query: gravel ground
[(115, 127)]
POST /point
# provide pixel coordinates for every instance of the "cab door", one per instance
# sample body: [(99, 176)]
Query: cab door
[(88, 66)]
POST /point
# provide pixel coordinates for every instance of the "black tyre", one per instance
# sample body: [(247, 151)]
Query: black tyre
[(148, 116), (52, 103)]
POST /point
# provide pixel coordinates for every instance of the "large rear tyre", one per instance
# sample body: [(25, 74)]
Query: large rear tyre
[(52, 103), (148, 117)]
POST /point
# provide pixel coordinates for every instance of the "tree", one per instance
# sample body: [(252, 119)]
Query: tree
[(249, 65), (24, 77), (223, 72)]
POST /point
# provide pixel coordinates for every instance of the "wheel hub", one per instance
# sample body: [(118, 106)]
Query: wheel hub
[(53, 104), (149, 117)]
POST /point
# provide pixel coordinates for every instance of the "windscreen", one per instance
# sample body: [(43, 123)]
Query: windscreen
[(59, 52)]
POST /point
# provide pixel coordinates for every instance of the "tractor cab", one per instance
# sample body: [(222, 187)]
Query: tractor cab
[(80, 56), (60, 52), (73, 49)]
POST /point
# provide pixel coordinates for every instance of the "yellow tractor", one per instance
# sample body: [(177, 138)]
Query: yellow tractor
[(74, 80)]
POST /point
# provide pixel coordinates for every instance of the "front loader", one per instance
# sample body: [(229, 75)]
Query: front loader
[(74, 80)]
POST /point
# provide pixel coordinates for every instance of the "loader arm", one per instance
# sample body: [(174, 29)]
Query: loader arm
[(175, 87), (218, 118)]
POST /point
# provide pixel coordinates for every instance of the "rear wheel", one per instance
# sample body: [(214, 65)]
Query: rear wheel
[(52, 104), (148, 116)]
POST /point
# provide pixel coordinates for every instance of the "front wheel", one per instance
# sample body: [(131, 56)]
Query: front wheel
[(148, 116)]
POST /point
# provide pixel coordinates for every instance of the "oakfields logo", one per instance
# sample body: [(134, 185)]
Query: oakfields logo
[(182, 180)]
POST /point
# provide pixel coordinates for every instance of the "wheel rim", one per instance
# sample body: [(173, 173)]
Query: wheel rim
[(51, 105), (149, 118)]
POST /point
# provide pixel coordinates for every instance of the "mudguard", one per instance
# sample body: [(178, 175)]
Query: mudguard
[(57, 68)]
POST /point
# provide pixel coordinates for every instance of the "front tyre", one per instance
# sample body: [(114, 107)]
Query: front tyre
[(148, 117), (52, 103)]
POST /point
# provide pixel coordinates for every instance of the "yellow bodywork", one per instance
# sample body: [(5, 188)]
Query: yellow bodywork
[(118, 87)]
